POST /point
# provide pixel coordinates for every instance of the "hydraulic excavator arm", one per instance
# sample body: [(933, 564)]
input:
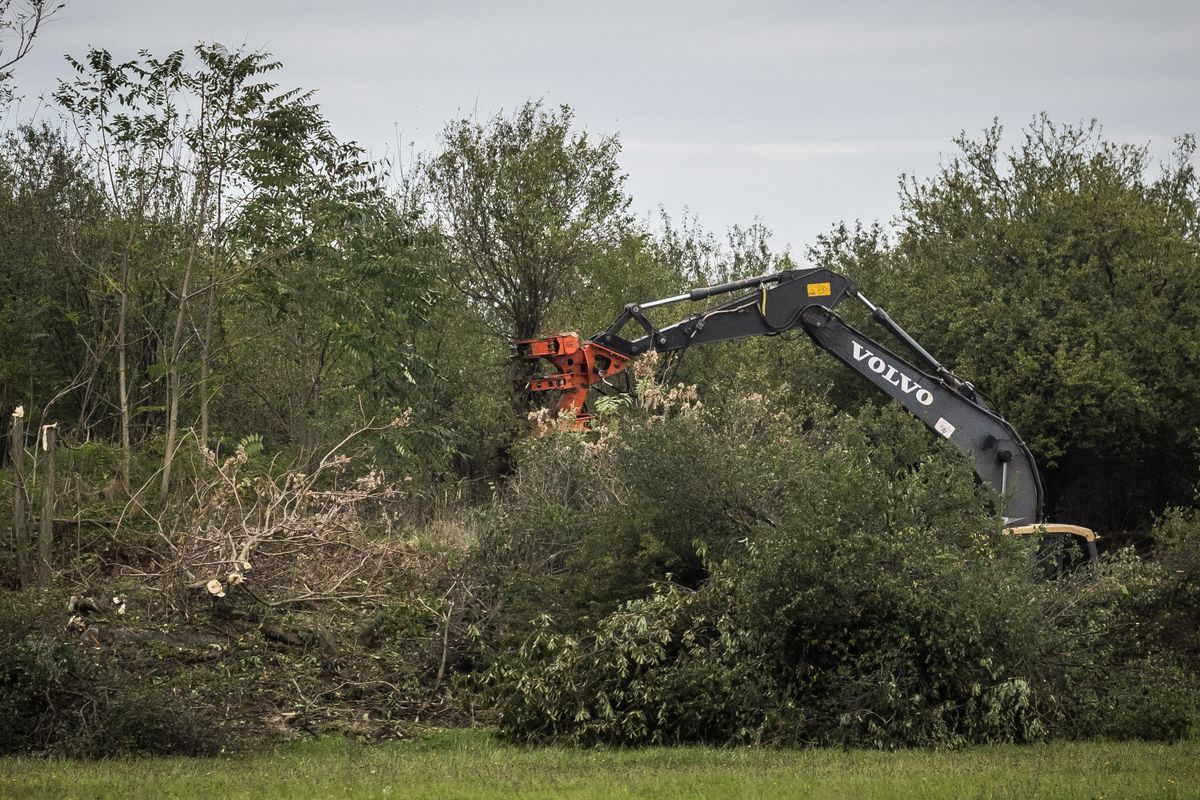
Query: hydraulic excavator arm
[(804, 300)]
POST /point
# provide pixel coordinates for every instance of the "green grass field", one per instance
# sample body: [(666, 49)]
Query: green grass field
[(472, 765)]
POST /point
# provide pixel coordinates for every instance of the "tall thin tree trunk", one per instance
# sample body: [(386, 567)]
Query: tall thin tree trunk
[(122, 374), (174, 350), (204, 188), (20, 518), (205, 360), (211, 309)]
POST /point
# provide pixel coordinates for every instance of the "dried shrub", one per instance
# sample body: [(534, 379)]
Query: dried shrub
[(289, 534)]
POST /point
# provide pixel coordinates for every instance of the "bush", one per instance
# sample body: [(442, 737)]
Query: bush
[(670, 668), (147, 719), (1174, 608), (1152, 699), (55, 696), (861, 594), (592, 520), (40, 675)]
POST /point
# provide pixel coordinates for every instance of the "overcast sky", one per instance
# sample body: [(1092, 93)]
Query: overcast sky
[(798, 113)]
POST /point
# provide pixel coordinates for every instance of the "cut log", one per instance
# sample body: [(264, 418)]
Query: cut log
[(277, 633)]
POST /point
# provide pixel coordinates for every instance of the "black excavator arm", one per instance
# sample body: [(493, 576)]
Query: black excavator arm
[(805, 300)]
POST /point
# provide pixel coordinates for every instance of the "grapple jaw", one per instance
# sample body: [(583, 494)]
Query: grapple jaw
[(577, 365)]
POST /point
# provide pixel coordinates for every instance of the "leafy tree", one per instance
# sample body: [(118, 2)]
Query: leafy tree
[(224, 187), (525, 203), (532, 213), (339, 279), (167, 140), (1060, 277), (53, 319)]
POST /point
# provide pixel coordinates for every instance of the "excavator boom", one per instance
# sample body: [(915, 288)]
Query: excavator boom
[(804, 300)]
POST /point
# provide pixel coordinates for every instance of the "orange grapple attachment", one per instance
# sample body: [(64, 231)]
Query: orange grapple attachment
[(577, 365)]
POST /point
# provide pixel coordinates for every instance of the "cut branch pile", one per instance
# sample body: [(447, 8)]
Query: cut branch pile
[(305, 537)]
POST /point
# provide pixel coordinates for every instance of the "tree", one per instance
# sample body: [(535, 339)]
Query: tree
[(525, 203), (326, 319), (1063, 278), (54, 323), (166, 142), (223, 185)]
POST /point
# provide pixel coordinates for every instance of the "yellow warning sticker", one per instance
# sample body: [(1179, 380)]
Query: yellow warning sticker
[(819, 290)]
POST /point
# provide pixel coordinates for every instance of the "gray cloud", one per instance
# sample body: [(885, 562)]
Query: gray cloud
[(799, 113)]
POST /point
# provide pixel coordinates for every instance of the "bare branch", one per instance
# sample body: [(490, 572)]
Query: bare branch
[(23, 21)]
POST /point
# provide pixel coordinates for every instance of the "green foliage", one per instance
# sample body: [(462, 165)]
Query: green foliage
[(588, 523), (1172, 600), (726, 372), (862, 595), (340, 279), (208, 241), (148, 719), (535, 230), (525, 203), (50, 211), (1152, 699), (1060, 276), (666, 669), (36, 678)]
